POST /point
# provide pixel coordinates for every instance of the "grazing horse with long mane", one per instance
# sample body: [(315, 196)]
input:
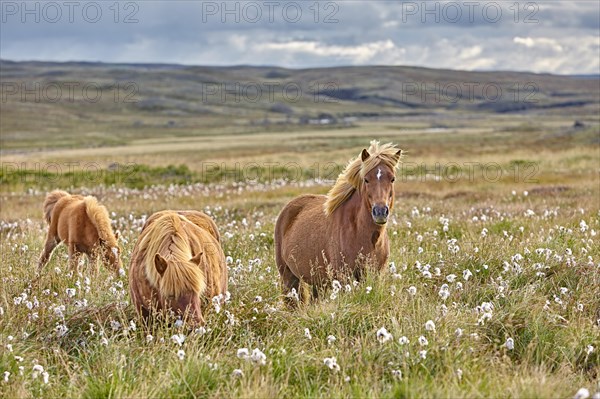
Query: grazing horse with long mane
[(83, 224), (320, 237), (176, 263)]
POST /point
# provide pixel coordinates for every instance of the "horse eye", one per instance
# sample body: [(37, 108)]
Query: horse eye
[(393, 179), (366, 181)]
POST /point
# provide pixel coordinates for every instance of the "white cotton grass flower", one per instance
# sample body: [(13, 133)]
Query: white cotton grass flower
[(200, 330), (237, 373), (149, 338), (458, 332), (510, 343), (467, 274), (423, 354), (37, 369), (368, 289), (383, 335), (179, 339), (444, 292), (293, 294), (459, 374), (331, 339), (243, 353), (71, 292), (217, 300), (450, 278), (307, 334), (430, 325), (423, 341), (589, 349), (397, 374), (258, 357), (6, 376), (331, 363), (336, 285), (61, 329), (412, 290), (403, 340), (181, 354), (582, 393)]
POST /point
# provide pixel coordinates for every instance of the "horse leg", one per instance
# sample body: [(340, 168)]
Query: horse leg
[(290, 283), (49, 246), (93, 258), (74, 257)]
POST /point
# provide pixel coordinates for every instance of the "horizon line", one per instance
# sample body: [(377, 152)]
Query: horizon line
[(265, 66)]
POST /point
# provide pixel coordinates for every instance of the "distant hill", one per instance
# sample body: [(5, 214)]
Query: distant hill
[(98, 97), (342, 91)]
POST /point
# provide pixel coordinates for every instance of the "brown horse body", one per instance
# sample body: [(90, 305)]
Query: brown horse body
[(83, 225), (177, 261), (318, 237)]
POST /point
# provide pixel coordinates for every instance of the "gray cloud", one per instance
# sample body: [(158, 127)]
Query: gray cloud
[(548, 36)]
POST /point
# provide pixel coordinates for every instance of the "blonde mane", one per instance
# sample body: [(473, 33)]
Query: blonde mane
[(168, 237), (99, 217), (351, 179)]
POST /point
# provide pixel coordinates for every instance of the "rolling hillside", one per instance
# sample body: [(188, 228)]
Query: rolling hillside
[(95, 104)]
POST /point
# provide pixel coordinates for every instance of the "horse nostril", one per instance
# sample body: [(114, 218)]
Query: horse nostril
[(379, 211)]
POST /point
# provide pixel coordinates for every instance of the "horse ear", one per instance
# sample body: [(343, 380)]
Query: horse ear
[(398, 155), (364, 154), (197, 258), (160, 263)]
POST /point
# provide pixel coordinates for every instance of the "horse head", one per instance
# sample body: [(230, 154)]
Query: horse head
[(111, 253), (180, 286), (377, 188)]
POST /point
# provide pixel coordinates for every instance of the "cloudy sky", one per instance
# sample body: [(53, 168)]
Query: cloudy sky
[(542, 36)]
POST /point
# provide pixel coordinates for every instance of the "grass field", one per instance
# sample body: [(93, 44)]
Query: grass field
[(492, 290)]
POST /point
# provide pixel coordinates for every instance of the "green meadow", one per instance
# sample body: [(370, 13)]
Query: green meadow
[(493, 285)]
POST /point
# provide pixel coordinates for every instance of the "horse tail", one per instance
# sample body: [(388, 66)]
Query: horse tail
[(98, 215), (50, 201)]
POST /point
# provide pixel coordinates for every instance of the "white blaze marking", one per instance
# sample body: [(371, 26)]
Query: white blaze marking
[(378, 173)]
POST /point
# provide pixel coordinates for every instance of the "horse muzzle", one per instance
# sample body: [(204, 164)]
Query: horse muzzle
[(380, 214)]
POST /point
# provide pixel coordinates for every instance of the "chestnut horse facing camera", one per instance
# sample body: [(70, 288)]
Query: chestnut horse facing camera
[(176, 263), (320, 237), (83, 224)]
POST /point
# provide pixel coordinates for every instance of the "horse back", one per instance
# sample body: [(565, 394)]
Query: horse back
[(308, 205), (198, 218), (73, 225)]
